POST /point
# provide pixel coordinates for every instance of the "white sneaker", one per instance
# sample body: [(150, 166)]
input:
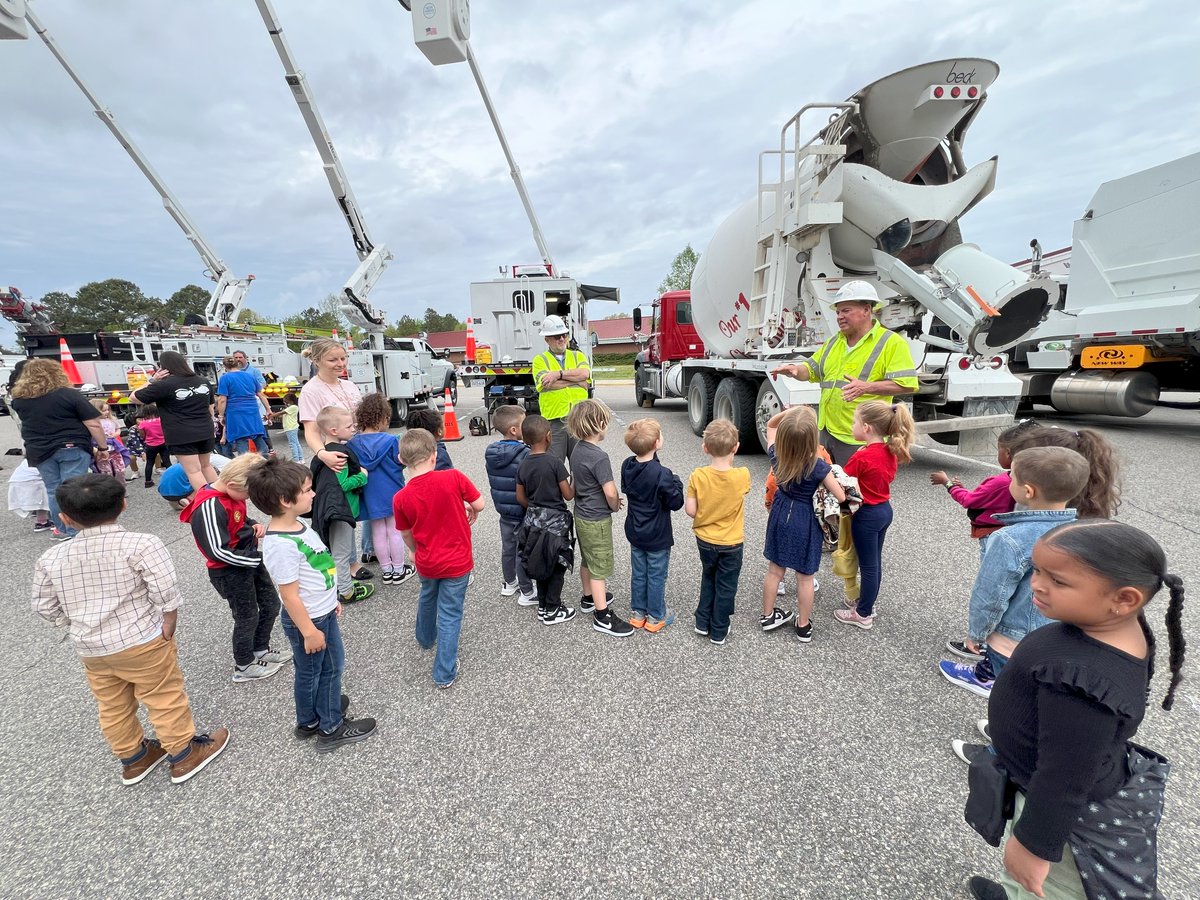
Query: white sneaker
[(257, 670), (529, 599), (783, 590), (276, 656), (508, 588), (130, 476)]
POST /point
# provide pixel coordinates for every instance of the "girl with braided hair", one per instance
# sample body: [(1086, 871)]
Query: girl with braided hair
[(1063, 712)]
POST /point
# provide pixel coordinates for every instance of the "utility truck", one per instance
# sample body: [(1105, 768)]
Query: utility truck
[(1127, 324), (875, 195)]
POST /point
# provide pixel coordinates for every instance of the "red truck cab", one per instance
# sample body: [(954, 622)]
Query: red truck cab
[(672, 335)]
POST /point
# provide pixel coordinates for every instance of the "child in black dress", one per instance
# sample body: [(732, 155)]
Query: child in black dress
[(793, 536), (1063, 712)]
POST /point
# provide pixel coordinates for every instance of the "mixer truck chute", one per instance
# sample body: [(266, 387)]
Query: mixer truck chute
[(875, 195)]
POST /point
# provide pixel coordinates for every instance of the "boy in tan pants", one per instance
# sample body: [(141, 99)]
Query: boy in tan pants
[(115, 592)]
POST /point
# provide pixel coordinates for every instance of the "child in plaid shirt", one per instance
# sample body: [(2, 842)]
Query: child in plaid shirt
[(115, 591)]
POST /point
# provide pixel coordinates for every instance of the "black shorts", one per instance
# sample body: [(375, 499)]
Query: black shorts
[(195, 448)]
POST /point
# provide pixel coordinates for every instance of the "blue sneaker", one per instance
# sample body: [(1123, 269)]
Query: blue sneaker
[(963, 674)]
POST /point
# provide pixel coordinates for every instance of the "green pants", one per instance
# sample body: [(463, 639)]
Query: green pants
[(1063, 881)]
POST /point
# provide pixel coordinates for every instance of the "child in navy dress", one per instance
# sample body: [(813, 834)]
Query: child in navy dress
[(793, 535)]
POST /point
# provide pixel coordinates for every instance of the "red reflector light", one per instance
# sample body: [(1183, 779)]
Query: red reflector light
[(964, 363), (997, 362), (938, 92), (972, 92), (955, 92)]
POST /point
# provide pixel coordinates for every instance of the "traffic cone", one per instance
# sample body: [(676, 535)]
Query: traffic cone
[(68, 362), (335, 335), (470, 342), (450, 421)]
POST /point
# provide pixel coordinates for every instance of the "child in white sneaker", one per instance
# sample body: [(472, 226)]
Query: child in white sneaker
[(502, 460)]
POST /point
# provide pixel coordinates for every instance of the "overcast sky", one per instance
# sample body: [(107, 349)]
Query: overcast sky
[(637, 126)]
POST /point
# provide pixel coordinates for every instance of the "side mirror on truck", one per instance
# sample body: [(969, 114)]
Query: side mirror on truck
[(637, 318)]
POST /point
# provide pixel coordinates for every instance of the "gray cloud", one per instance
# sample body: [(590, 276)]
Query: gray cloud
[(637, 126)]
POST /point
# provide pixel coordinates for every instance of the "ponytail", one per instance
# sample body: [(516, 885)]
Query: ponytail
[(892, 422)]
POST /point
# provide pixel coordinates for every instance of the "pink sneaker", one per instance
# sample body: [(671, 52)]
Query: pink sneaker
[(851, 617)]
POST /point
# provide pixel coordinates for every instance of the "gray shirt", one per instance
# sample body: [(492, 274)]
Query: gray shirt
[(590, 471)]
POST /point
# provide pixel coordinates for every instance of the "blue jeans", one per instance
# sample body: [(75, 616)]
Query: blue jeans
[(318, 675), (368, 540), (293, 437), (648, 585), (989, 668), (242, 445), (721, 569), (868, 527), (64, 463), (439, 618)]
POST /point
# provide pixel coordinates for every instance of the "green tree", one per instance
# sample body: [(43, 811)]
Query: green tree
[(60, 305), (680, 276), (190, 299), (249, 316), (109, 305), (617, 315), (313, 317), (436, 321)]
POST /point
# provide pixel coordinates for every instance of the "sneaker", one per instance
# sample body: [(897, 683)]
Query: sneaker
[(654, 626), (637, 619), (42, 526), (306, 731), (718, 642), (608, 622), (363, 575), (404, 574), (967, 752), (984, 729), (449, 683), (804, 632), (275, 656), (148, 484), (985, 889), (351, 731), (959, 648), (963, 675), (777, 619), (782, 589), (358, 593), (851, 617), (700, 630), (530, 599), (130, 476), (56, 535), (257, 670), (387, 576), (816, 584), (850, 604), (142, 763), (588, 605), (508, 588), (557, 616), (368, 557), (203, 749)]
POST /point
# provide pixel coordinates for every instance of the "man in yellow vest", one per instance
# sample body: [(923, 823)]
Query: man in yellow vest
[(561, 376), (864, 361)]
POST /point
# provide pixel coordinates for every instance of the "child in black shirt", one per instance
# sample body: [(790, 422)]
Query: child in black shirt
[(546, 540), (1064, 709)]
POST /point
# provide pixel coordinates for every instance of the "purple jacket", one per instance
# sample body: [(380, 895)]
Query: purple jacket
[(991, 498)]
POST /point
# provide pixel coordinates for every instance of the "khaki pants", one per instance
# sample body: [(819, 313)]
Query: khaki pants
[(149, 674), (1063, 881)]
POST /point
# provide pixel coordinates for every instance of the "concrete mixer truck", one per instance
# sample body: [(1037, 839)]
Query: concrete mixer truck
[(874, 195)]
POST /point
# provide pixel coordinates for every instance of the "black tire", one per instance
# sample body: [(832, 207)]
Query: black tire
[(736, 400), (701, 390), (641, 397)]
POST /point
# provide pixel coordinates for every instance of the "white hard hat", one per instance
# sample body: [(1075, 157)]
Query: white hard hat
[(552, 325), (857, 292)]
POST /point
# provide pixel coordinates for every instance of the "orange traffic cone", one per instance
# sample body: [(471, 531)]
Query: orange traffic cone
[(335, 335), (470, 342), (450, 421), (68, 362)]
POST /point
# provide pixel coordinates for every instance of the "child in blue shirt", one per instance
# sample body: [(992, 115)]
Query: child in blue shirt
[(379, 453)]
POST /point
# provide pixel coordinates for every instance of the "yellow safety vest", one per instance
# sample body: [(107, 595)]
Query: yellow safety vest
[(556, 404)]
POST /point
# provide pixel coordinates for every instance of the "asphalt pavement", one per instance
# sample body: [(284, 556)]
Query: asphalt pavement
[(564, 762)]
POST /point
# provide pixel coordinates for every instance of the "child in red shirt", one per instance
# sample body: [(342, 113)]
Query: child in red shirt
[(439, 537), (888, 431)]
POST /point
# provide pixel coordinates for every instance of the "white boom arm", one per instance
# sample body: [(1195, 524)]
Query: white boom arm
[(229, 293), (374, 260)]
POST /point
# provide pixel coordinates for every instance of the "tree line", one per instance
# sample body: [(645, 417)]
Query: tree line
[(118, 305)]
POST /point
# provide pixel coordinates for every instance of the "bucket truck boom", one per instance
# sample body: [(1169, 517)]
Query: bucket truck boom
[(373, 259), (230, 292)]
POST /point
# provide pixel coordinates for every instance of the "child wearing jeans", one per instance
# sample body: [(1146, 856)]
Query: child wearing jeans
[(115, 592), (546, 540), (379, 453), (228, 540), (716, 501), (596, 499), (337, 504), (1002, 610), (291, 425), (434, 513), (654, 491), (503, 460), (304, 573)]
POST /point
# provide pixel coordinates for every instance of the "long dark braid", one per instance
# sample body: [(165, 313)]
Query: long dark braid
[(1175, 635)]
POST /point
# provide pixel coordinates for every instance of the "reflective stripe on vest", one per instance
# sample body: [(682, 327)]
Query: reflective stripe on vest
[(876, 352)]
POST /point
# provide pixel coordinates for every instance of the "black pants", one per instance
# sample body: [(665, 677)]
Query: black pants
[(254, 604), (550, 590), (153, 453)]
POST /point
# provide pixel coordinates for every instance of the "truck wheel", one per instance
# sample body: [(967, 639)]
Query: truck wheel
[(641, 397), (767, 406), (735, 401), (701, 390), (399, 413)]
